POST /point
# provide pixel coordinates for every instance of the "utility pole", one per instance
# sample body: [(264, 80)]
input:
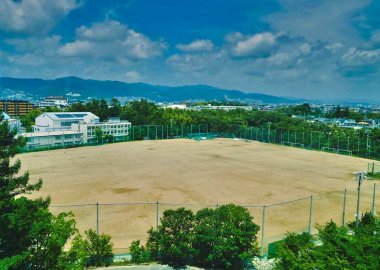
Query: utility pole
[(269, 123), (359, 177)]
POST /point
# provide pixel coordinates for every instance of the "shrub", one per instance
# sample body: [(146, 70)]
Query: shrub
[(222, 238), (174, 237), (98, 247), (225, 237), (139, 253)]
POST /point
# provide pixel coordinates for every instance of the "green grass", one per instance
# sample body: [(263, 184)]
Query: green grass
[(373, 176)]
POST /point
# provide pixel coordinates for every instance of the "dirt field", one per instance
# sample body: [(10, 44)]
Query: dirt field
[(207, 172)]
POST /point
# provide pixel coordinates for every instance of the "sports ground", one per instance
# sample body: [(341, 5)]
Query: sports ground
[(183, 171)]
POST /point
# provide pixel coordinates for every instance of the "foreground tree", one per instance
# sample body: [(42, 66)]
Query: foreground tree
[(334, 247), (173, 238), (225, 237), (30, 236)]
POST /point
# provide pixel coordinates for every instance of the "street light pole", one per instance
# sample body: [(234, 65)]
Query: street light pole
[(359, 177), (269, 123)]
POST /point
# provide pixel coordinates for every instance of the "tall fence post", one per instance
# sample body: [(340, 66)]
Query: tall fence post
[(310, 213), (374, 201), (344, 207), (97, 218), (262, 231), (157, 203)]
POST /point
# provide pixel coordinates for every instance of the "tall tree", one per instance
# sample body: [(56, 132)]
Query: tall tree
[(30, 236)]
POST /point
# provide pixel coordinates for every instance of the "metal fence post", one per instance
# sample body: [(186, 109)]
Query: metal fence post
[(374, 201), (344, 207), (310, 213), (262, 231), (97, 218), (157, 203)]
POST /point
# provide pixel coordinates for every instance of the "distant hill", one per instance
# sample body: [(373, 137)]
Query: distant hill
[(107, 89)]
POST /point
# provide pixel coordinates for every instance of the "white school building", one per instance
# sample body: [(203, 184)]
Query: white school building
[(53, 121), (51, 139), (55, 129)]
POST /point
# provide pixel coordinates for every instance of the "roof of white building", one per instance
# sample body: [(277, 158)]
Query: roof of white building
[(6, 116), (70, 115)]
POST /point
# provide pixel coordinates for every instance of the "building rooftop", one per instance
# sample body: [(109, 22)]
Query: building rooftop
[(70, 115)]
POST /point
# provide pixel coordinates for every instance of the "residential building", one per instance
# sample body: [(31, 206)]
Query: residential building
[(53, 101), (16, 107), (14, 124), (54, 121)]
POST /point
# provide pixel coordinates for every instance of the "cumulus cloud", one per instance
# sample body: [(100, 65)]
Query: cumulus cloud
[(357, 57), (324, 20), (198, 45), (257, 45), (132, 76), (33, 16), (208, 62), (112, 40)]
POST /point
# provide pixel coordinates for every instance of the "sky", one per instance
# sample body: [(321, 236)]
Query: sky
[(326, 49)]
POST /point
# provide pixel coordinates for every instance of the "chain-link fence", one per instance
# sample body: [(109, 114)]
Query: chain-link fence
[(373, 168), (357, 145), (127, 222)]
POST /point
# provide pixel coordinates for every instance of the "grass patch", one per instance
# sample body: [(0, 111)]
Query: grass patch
[(373, 176)]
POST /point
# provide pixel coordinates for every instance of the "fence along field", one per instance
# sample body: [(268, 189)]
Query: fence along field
[(357, 145), (127, 180)]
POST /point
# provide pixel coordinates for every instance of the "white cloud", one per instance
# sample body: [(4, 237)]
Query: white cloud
[(43, 45), (324, 20), (33, 16), (113, 41), (133, 76), (207, 62), (77, 48), (199, 45), (356, 57), (233, 37), (255, 45)]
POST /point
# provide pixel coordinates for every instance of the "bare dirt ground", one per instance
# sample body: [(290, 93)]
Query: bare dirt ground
[(182, 171)]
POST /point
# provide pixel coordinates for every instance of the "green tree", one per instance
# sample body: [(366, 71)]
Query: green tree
[(174, 237), (98, 135), (139, 253), (334, 247), (99, 248), (115, 108), (28, 120), (30, 236), (225, 237)]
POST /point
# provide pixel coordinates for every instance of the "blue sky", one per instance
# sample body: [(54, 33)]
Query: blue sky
[(327, 49)]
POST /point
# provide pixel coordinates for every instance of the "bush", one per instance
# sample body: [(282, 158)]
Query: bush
[(337, 248), (225, 238), (173, 238), (139, 253), (98, 248), (222, 238)]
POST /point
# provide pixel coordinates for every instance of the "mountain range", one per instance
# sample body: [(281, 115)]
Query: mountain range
[(37, 88)]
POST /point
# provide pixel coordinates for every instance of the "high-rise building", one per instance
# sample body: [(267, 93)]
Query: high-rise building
[(15, 107)]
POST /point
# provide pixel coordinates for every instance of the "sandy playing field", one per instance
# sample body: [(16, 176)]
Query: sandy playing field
[(207, 172)]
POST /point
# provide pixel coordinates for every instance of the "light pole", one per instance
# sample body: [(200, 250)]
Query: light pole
[(171, 127), (368, 144), (269, 123), (359, 177)]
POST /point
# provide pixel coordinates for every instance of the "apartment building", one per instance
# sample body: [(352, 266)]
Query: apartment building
[(16, 108)]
